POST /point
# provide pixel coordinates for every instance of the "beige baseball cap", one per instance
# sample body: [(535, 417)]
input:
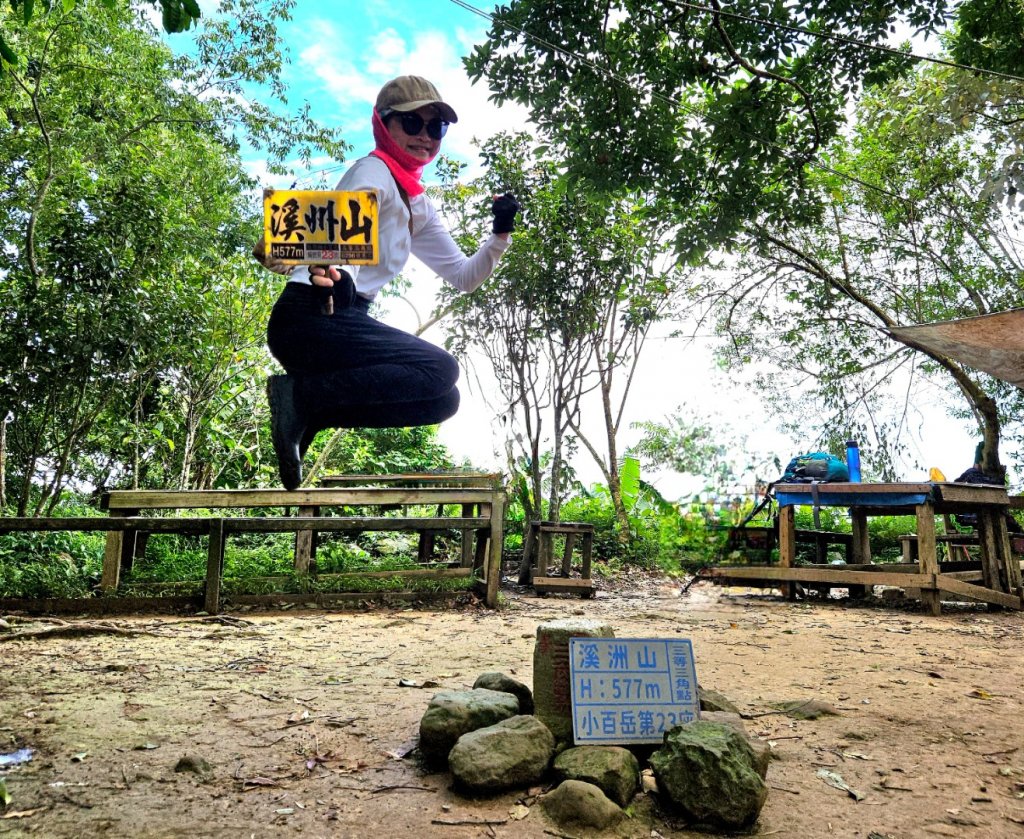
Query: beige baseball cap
[(407, 93)]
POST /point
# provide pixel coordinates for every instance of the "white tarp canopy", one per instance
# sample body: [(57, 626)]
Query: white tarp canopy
[(991, 343)]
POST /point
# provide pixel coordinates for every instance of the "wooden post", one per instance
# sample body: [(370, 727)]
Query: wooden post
[(214, 566), (529, 545), (861, 540), (787, 547), (467, 539), (990, 551), (570, 541), (928, 561), (305, 544), (117, 554), (493, 570)]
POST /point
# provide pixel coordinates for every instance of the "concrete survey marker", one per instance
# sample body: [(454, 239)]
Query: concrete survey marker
[(631, 690)]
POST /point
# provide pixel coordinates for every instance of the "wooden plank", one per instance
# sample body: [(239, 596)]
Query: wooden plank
[(565, 582), (288, 524), (973, 494), (214, 567), (323, 599), (453, 479), (1016, 502), (324, 497), (100, 605), (564, 527), (857, 488), (102, 523), (828, 574), (982, 593)]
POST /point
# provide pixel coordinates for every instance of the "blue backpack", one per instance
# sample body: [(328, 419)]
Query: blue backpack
[(816, 466)]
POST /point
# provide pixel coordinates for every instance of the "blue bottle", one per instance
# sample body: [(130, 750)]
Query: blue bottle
[(853, 460)]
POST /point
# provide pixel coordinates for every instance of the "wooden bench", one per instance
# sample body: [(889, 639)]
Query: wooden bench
[(485, 561), (538, 553)]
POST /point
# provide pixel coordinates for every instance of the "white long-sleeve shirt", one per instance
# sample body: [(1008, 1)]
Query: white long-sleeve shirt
[(430, 241)]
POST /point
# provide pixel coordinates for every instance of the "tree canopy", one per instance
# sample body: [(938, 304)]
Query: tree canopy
[(718, 112)]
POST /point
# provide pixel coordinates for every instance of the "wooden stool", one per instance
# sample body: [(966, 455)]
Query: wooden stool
[(538, 550)]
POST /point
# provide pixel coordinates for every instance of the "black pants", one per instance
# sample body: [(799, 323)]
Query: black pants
[(352, 371)]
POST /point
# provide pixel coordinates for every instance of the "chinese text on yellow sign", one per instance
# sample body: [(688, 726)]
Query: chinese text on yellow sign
[(319, 227)]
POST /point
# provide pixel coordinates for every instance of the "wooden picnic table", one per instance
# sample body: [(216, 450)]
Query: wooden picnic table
[(1000, 571)]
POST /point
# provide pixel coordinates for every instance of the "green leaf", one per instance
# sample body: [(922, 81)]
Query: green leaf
[(5, 796), (192, 8), (68, 5), (26, 11), (629, 481), (8, 55)]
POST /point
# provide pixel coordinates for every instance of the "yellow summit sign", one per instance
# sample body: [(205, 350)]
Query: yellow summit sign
[(320, 227)]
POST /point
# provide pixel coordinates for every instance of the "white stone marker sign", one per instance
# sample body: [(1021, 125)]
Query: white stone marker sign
[(631, 690)]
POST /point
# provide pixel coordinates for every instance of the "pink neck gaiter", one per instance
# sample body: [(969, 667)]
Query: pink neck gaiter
[(406, 168)]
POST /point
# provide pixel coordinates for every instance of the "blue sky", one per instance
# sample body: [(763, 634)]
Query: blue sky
[(343, 52)]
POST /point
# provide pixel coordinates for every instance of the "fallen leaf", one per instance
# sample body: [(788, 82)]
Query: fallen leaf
[(78, 758), (22, 814), (145, 747), (408, 683), (5, 796), (980, 693), (284, 811), (857, 756), (834, 779), (298, 718), (518, 812)]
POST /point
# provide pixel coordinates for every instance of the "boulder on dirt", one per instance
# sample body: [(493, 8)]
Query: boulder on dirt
[(506, 684), (762, 751), (552, 692), (613, 769), (712, 700), (577, 804), (452, 713), (513, 753), (707, 770), (196, 764)]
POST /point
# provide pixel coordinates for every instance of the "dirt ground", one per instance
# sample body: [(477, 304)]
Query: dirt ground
[(306, 718)]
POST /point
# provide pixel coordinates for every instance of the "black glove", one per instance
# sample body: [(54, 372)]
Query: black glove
[(504, 209)]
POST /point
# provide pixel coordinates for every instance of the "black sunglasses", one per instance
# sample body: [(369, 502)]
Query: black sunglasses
[(412, 124)]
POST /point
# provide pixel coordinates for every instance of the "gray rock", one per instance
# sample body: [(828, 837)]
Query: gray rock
[(513, 753), (452, 713), (579, 804), (762, 751), (506, 684), (552, 692), (613, 769), (725, 718), (708, 771), (196, 764), (712, 700)]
